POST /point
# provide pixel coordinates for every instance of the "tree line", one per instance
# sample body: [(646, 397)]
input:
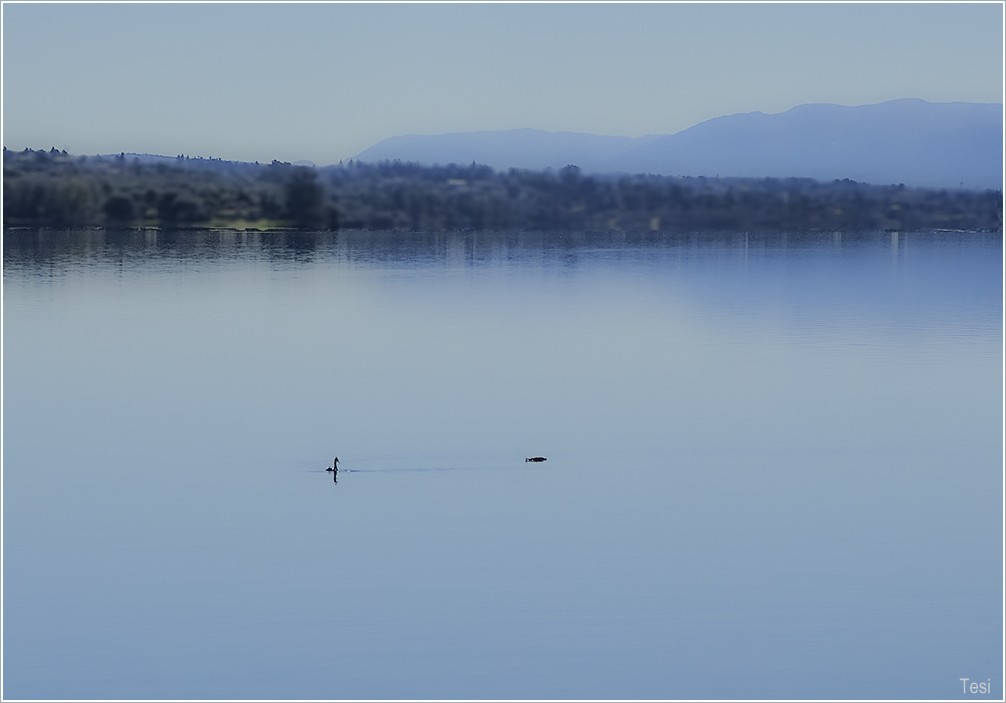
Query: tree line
[(54, 189)]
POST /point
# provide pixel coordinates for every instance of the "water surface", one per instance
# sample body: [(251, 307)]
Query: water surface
[(774, 465)]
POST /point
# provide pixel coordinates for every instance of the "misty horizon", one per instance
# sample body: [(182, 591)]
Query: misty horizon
[(304, 93), (308, 159)]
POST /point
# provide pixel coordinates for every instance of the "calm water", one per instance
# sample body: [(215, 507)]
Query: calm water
[(774, 466)]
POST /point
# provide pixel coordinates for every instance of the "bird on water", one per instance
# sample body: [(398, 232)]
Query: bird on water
[(536, 458)]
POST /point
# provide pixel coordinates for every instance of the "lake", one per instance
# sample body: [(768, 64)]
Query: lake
[(774, 465)]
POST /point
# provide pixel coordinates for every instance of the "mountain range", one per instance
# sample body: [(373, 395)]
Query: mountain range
[(909, 141)]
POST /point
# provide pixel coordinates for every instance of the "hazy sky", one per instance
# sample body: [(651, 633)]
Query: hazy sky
[(325, 81)]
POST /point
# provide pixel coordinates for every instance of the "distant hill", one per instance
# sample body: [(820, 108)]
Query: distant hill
[(909, 141)]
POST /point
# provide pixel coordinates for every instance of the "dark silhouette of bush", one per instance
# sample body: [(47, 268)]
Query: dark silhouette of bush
[(119, 210), (175, 209), (304, 198)]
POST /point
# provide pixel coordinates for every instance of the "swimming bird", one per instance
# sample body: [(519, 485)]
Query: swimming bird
[(335, 465), (536, 458)]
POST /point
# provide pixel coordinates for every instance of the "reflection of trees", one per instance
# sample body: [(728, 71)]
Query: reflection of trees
[(54, 189), (296, 246), (54, 252)]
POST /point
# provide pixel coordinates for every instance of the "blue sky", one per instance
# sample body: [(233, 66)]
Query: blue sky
[(325, 81)]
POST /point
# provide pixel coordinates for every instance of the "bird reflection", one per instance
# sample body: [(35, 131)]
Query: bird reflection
[(335, 470)]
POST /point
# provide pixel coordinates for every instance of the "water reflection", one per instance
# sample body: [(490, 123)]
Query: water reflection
[(718, 412), (63, 247)]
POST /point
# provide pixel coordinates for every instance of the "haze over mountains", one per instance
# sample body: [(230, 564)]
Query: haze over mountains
[(910, 141)]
